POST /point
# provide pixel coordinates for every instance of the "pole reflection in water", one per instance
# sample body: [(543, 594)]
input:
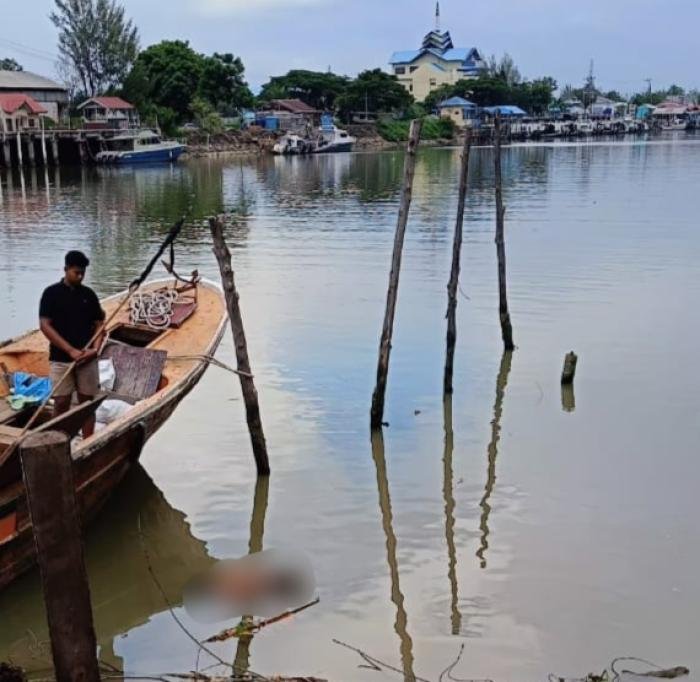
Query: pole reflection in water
[(241, 663), (492, 451), (450, 514), (124, 596), (401, 623), (568, 398)]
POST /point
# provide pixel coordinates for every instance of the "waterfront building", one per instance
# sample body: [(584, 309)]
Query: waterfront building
[(109, 113), (459, 110), (50, 95), (19, 112), (604, 107), (436, 62)]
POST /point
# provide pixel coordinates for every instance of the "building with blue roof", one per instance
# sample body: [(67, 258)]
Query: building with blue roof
[(461, 111), (437, 62)]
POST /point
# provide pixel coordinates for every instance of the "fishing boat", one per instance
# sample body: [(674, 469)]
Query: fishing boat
[(332, 139), (157, 359), (292, 144), (140, 146)]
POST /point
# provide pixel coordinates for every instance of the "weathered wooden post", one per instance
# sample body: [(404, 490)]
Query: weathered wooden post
[(43, 143), (6, 157), (569, 370), (20, 160), (54, 150), (250, 394), (454, 273), (48, 478), (377, 411), (30, 150), (504, 315)]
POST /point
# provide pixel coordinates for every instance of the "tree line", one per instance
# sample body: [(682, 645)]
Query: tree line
[(99, 53)]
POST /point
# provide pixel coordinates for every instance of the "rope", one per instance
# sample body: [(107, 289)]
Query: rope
[(153, 308), (211, 360)]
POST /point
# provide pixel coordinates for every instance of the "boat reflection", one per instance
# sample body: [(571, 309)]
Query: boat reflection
[(123, 592), (401, 622), (492, 451), (448, 495)]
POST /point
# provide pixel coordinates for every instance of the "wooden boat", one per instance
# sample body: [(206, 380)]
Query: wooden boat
[(155, 370)]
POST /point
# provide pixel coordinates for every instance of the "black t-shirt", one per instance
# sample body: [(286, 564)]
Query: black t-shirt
[(73, 312)]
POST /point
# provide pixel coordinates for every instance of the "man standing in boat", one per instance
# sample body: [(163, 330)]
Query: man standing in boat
[(69, 315)]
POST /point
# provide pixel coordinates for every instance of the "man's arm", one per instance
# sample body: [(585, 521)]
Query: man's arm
[(94, 350), (57, 340)]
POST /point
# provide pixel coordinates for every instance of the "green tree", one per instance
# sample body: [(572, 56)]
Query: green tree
[(206, 117), (9, 64), (375, 91), (97, 41), (222, 83), (165, 75), (504, 70), (318, 89)]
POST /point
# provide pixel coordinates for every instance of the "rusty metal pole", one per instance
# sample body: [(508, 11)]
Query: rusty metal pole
[(48, 479)]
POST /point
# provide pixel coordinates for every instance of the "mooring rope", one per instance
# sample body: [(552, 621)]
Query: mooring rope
[(153, 308)]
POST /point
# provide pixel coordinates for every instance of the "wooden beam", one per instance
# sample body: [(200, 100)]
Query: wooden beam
[(250, 394), (503, 314), (48, 479), (453, 284), (409, 170)]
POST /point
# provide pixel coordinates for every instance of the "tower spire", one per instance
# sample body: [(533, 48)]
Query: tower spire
[(437, 15)]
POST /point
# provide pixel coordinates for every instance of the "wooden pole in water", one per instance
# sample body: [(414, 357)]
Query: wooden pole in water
[(19, 149), (250, 394), (504, 315), (569, 370), (377, 412), (454, 273), (48, 478)]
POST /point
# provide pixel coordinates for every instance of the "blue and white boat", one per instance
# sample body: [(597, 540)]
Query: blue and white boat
[(140, 146)]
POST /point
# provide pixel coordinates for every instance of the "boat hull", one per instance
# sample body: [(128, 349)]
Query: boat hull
[(99, 465), (333, 148), (146, 156)]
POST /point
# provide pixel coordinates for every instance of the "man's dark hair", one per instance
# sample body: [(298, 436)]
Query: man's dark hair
[(77, 259)]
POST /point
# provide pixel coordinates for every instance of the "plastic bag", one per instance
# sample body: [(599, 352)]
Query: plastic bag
[(108, 374), (111, 410)]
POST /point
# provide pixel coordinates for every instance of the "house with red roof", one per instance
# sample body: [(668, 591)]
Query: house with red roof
[(19, 112), (113, 113)]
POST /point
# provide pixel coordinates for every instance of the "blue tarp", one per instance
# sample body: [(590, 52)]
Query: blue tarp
[(505, 110), (28, 389)]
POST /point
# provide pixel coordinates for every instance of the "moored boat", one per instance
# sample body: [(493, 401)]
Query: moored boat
[(155, 365), (140, 146), (332, 139)]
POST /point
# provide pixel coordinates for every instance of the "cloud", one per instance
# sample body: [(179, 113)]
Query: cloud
[(240, 7)]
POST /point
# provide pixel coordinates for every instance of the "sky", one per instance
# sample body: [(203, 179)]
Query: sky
[(629, 40)]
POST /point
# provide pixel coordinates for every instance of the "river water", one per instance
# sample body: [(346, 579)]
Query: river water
[(544, 532)]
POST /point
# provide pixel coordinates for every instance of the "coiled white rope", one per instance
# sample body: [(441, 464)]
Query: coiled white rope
[(153, 308)]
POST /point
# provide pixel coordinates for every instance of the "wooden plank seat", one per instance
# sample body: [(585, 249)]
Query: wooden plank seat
[(69, 422)]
